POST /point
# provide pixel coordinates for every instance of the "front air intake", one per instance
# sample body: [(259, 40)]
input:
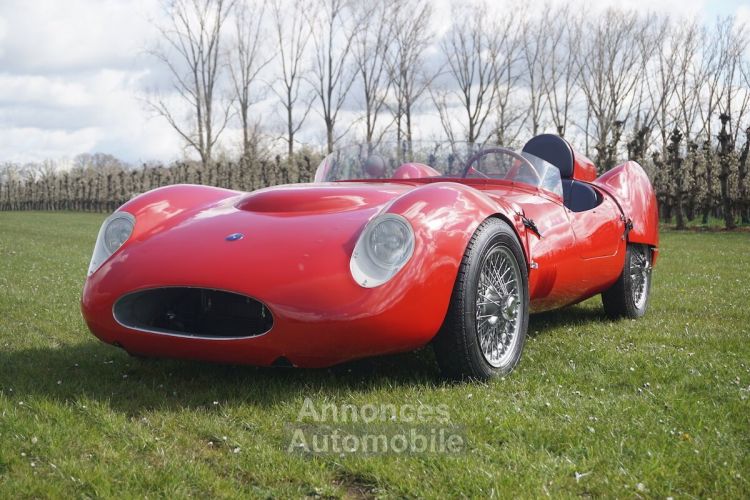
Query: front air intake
[(193, 312)]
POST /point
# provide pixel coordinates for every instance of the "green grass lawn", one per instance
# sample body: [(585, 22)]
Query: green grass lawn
[(657, 407)]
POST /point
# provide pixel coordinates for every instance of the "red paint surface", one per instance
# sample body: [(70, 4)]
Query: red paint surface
[(583, 168), (630, 187)]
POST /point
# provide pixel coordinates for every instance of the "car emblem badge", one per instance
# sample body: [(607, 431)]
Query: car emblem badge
[(234, 237)]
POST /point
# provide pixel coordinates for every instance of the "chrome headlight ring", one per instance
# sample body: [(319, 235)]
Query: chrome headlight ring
[(383, 248), (114, 232)]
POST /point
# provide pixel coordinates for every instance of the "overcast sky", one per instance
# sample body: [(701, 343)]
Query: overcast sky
[(73, 74)]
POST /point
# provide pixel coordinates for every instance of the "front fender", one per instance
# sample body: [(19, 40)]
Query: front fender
[(165, 207), (446, 214)]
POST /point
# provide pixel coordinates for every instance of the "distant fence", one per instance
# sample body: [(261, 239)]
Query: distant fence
[(103, 190)]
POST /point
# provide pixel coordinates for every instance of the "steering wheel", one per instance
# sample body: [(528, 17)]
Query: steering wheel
[(512, 173)]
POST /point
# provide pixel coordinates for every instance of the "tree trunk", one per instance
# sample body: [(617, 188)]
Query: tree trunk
[(724, 160), (677, 177), (744, 203)]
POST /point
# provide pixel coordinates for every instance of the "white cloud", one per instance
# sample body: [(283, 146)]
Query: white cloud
[(743, 14), (71, 74), (44, 36), (41, 90), (24, 144), (3, 35), (93, 111)]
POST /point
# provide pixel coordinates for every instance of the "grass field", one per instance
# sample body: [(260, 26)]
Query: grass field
[(654, 408)]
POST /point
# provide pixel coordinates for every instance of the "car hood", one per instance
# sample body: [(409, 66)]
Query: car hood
[(310, 229), (320, 198)]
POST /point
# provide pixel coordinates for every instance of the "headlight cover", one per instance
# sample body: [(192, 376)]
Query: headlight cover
[(114, 232), (386, 244)]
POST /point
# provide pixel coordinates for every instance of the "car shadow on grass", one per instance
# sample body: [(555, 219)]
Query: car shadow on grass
[(576, 316), (90, 370)]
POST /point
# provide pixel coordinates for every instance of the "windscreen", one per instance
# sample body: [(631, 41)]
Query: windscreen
[(391, 161)]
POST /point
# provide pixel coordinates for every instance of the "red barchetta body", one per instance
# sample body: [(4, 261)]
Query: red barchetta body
[(296, 244)]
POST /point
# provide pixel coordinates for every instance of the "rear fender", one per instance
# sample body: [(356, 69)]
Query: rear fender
[(630, 187)]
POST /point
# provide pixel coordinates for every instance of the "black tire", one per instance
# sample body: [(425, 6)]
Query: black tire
[(625, 298), (457, 346)]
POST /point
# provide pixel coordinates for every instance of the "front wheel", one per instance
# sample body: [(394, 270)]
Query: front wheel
[(485, 329), (628, 297)]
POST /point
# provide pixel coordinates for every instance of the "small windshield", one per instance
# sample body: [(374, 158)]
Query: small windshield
[(389, 161)]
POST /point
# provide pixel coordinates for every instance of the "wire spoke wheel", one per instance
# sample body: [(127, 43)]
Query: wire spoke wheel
[(484, 330), (628, 296), (498, 304), (640, 274)]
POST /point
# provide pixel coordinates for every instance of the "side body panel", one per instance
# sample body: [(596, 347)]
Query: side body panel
[(577, 255), (600, 246), (598, 231)]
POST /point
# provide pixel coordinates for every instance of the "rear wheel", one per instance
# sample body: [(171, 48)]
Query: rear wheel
[(628, 297), (485, 328)]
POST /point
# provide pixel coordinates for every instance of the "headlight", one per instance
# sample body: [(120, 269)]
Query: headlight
[(114, 232), (383, 248)]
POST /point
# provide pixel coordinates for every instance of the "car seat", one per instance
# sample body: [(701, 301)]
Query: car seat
[(577, 196)]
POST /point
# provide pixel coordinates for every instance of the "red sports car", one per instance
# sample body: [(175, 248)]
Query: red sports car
[(454, 246)]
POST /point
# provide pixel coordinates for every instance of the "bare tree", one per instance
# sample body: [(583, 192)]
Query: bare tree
[(191, 53), (509, 69), (733, 105), (689, 76), (654, 93), (292, 36), (735, 92), (562, 71), (744, 195), (611, 66), (247, 58), (335, 28), (676, 104), (470, 49), (715, 59), (372, 50), (536, 50), (408, 74)]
